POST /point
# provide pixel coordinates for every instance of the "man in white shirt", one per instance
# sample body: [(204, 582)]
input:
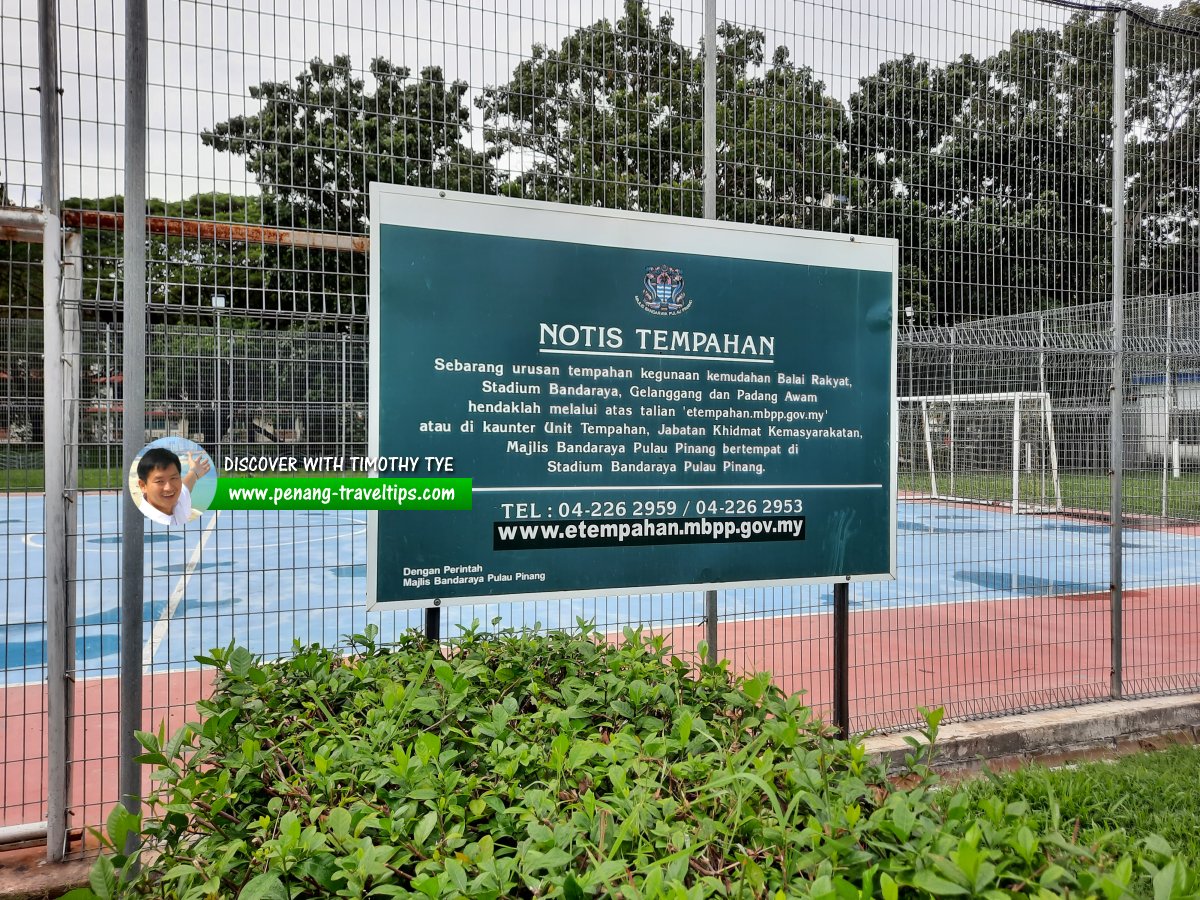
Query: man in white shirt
[(166, 491)]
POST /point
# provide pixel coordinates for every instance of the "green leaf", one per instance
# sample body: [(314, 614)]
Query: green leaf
[(1156, 843), (266, 886), (1024, 843), (424, 827), (581, 753), (684, 731), (558, 750), (554, 858), (120, 823), (1166, 881), (103, 878), (457, 874), (427, 745), (393, 694), (888, 886), (339, 823), (429, 885), (925, 880), (322, 869), (902, 816), (1116, 882), (240, 662)]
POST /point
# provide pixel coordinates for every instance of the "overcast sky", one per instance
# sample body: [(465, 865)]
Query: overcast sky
[(204, 55)]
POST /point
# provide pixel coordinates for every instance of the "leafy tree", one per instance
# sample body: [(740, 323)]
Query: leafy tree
[(990, 173), (610, 118), (613, 117), (995, 174), (1162, 216), (781, 140), (317, 143)]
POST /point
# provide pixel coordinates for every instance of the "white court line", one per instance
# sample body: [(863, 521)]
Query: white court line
[(164, 620), (310, 540)]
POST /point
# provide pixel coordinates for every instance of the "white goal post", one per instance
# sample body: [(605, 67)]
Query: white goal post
[(992, 448)]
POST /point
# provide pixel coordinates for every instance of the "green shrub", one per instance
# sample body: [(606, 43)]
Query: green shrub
[(556, 765)]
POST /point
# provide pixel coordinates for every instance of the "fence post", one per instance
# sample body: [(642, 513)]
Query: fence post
[(433, 623), (133, 417), (841, 657), (953, 490), (1043, 408), (1168, 398), (217, 373), (1116, 421), (53, 441), (710, 109), (711, 611)]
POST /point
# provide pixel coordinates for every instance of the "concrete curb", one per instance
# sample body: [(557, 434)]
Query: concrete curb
[(1094, 731), (25, 875)]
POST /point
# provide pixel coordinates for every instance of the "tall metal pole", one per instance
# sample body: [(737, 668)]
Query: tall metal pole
[(841, 657), (710, 109), (953, 391), (72, 294), (108, 382), (909, 312), (1116, 431), (217, 351), (53, 442), (1168, 396), (711, 610), (1042, 391), (344, 414), (133, 420), (433, 623), (229, 387)]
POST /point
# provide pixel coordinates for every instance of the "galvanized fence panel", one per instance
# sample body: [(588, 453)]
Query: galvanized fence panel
[(979, 136), (1162, 331)]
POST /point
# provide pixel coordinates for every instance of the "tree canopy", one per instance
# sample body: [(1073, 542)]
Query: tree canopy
[(316, 144), (614, 117)]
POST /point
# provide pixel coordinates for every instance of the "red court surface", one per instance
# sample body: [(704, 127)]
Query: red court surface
[(973, 658)]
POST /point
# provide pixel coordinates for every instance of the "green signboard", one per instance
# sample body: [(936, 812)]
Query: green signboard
[(641, 403)]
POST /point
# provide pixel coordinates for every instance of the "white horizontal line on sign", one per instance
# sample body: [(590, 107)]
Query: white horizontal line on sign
[(738, 359)]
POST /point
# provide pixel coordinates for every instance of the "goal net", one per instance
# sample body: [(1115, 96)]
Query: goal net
[(981, 448)]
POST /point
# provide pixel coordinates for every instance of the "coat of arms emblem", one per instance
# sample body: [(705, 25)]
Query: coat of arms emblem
[(663, 293)]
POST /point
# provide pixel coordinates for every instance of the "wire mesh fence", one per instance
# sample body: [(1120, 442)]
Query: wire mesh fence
[(980, 135)]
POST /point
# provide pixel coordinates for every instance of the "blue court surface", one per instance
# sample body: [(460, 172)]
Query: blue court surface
[(267, 579)]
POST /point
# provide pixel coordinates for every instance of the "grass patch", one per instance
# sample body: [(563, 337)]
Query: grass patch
[(1123, 802), (1141, 491), (34, 480)]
